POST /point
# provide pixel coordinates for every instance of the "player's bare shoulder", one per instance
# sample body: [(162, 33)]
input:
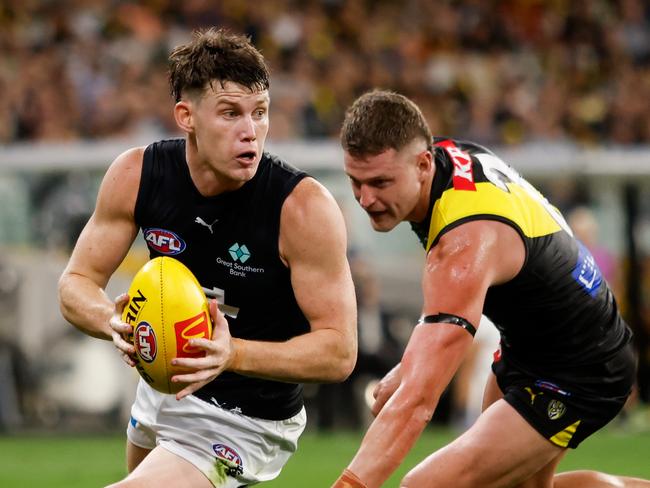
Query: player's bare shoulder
[(119, 189), (310, 216), (481, 246)]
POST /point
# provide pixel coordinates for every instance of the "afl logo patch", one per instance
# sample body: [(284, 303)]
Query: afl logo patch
[(145, 342), (555, 409), (164, 241), (229, 458)]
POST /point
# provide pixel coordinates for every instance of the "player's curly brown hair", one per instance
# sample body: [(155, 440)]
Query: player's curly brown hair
[(379, 120), (216, 55)]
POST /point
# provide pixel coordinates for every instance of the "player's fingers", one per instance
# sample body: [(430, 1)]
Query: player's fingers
[(218, 318), (189, 389), (122, 345), (196, 376), (375, 391), (120, 302), (381, 394), (203, 344), (127, 359), (195, 364), (376, 407), (120, 327)]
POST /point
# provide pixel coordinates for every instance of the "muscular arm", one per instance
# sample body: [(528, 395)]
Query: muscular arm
[(458, 272), (102, 245), (313, 244)]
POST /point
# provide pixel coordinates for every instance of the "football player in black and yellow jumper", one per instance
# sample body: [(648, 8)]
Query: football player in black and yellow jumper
[(494, 246)]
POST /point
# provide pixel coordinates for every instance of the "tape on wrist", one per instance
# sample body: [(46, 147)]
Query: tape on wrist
[(349, 480)]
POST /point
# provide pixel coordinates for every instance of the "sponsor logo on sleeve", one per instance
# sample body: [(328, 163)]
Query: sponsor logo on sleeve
[(586, 272), (164, 241), (194, 327)]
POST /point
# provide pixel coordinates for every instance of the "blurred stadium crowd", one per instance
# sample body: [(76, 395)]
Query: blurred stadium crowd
[(499, 72), (494, 71)]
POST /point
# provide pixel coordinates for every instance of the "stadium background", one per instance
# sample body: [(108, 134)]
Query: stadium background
[(558, 88)]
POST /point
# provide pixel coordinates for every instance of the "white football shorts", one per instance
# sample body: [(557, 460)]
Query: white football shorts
[(231, 449)]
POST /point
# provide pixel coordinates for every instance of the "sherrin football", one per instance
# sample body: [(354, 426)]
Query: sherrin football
[(167, 307)]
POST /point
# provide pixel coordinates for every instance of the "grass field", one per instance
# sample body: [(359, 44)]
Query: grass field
[(76, 462)]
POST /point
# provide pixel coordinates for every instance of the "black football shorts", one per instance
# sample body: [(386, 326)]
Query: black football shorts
[(566, 411)]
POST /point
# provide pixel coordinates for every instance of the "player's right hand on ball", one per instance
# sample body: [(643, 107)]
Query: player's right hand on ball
[(120, 330)]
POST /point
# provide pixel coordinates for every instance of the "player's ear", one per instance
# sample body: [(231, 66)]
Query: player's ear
[(424, 161), (183, 116)]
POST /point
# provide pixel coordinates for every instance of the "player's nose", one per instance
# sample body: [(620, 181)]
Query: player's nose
[(247, 129), (366, 197)]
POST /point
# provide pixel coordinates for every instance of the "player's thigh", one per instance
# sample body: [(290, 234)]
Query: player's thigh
[(134, 455), (544, 478), (500, 449), (161, 468), (492, 392)]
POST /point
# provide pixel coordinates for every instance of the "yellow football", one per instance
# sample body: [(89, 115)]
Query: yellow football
[(167, 307)]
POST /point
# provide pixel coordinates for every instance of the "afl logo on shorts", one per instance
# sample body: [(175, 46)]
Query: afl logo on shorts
[(555, 409), (145, 342), (164, 241), (229, 457)]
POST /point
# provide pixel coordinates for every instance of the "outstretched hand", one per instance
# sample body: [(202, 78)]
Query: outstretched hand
[(219, 355), (121, 330), (385, 389)]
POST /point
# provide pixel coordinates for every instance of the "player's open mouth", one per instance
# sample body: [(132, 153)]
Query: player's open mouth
[(375, 214), (247, 157)]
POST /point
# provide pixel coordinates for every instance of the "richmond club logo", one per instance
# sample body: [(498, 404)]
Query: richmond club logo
[(555, 409), (164, 241), (145, 342)]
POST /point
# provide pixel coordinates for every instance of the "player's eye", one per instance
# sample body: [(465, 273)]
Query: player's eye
[(381, 183)]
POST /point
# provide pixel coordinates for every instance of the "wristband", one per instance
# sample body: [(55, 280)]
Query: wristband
[(349, 480)]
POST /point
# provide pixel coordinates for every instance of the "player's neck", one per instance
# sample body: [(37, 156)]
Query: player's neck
[(208, 181), (421, 208)]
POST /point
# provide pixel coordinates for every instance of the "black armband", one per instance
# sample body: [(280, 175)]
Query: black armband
[(448, 318)]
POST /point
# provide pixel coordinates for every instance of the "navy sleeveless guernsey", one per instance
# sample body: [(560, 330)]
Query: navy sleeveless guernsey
[(230, 242)]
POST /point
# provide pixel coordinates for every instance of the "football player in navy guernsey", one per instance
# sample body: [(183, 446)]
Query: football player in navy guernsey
[(494, 246), (255, 230)]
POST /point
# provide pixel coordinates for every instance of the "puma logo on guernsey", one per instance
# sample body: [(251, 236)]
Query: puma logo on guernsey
[(202, 222)]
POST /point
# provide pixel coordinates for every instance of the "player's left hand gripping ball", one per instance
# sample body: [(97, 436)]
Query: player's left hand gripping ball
[(166, 308)]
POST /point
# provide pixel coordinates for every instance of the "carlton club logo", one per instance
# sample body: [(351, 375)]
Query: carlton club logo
[(193, 328), (145, 342), (164, 241)]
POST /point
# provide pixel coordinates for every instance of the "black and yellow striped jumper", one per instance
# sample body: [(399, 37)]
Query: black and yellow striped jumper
[(561, 333)]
